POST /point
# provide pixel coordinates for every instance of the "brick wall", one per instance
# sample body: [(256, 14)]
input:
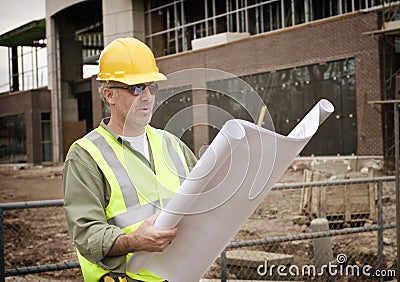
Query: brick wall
[(326, 40)]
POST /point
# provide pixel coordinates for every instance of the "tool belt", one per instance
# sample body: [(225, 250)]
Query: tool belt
[(108, 278)]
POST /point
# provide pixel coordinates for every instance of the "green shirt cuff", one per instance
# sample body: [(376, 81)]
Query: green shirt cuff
[(107, 237)]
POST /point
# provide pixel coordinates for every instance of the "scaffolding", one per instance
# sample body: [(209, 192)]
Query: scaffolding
[(388, 35)]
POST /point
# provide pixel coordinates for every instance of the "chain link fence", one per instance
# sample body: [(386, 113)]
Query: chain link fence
[(338, 231), (36, 243), (320, 231)]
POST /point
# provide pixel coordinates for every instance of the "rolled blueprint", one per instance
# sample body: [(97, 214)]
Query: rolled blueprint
[(231, 179), (206, 168)]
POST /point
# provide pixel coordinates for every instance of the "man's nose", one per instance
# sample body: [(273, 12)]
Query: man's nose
[(146, 95)]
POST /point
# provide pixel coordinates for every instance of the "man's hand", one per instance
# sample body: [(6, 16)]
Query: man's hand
[(146, 238)]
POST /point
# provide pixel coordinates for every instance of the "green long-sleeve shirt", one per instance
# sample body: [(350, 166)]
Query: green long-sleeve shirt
[(86, 195)]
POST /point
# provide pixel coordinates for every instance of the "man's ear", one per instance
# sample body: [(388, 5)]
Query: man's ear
[(109, 96)]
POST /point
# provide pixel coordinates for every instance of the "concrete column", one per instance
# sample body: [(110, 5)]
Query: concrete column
[(65, 65), (71, 69), (200, 120), (323, 253), (53, 78), (123, 18)]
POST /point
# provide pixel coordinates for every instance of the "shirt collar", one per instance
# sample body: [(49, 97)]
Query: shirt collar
[(104, 123)]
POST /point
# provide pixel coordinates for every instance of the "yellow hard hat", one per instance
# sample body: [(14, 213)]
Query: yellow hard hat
[(129, 61)]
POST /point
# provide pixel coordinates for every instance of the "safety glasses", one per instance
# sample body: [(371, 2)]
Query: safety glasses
[(138, 89)]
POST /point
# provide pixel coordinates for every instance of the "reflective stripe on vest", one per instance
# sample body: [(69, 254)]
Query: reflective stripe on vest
[(112, 161), (132, 209), (176, 158)]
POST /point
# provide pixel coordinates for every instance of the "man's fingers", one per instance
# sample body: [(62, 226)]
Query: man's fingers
[(169, 234), (153, 218)]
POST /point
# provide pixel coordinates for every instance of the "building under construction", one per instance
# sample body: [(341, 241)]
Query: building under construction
[(292, 53)]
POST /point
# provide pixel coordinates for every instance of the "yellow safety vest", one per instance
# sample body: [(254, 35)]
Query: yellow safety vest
[(136, 191)]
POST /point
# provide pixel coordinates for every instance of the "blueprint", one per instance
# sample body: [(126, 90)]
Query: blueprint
[(231, 179)]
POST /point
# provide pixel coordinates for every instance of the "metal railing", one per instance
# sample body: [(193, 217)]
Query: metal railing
[(21, 271)]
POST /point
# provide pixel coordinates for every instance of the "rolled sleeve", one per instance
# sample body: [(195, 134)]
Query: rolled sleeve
[(100, 243)]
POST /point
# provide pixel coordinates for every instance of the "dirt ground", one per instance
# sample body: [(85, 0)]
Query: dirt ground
[(27, 231), (30, 183)]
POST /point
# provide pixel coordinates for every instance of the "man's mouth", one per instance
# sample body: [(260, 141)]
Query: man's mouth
[(144, 109)]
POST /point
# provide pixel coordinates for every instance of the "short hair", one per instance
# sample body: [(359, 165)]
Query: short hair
[(101, 92), (106, 109)]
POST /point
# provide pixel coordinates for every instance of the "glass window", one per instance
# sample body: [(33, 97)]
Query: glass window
[(172, 25), (290, 93), (13, 139), (168, 103)]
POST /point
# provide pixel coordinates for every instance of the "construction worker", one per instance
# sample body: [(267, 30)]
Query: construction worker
[(116, 178)]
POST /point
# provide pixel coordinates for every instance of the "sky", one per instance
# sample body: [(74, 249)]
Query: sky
[(14, 13)]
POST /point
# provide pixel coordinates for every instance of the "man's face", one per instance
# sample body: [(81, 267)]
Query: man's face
[(135, 110)]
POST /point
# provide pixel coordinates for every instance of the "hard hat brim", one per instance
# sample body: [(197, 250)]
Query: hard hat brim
[(132, 79)]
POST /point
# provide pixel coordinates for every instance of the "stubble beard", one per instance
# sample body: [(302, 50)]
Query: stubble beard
[(136, 122)]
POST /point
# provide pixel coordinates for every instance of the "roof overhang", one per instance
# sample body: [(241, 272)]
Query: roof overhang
[(26, 35)]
